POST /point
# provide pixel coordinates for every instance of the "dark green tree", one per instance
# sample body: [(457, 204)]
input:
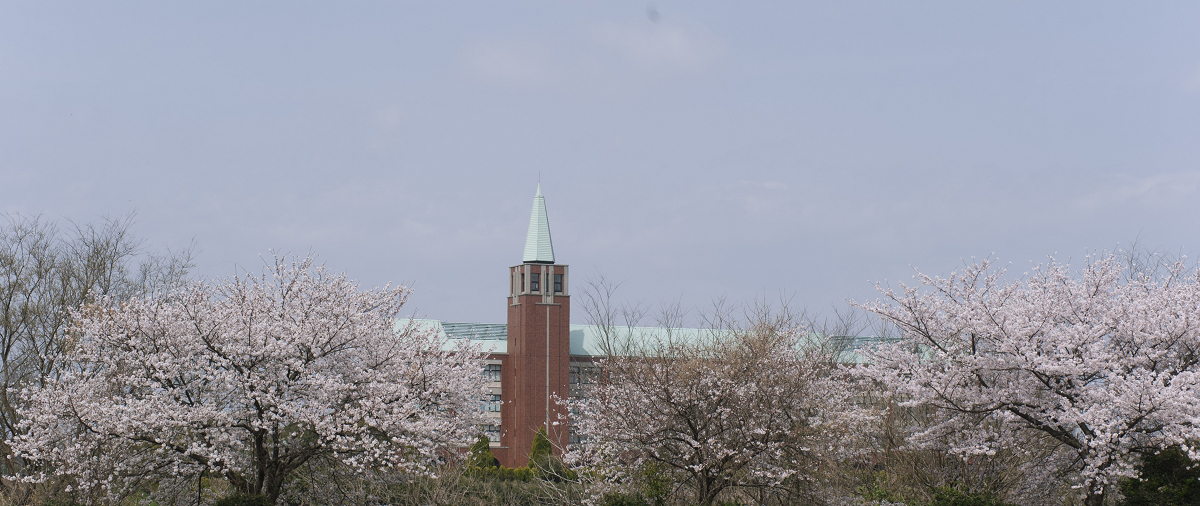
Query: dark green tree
[(542, 461), (480, 455), (1168, 478), (541, 452)]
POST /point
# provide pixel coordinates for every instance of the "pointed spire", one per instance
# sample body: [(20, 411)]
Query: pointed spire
[(537, 243)]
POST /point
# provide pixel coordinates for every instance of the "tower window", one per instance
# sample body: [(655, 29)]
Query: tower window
[(558, 283), (491, 372), (492, 403), (582, 374), (533, 282), (492, 431), (522, 283)]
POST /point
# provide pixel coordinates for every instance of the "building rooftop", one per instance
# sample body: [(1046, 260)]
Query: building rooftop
[(538, 248), (588, 340)]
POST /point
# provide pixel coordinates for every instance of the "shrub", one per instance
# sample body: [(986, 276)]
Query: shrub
[(1168, 478), (244, 500), (503, 473), (879, 490), (482, 464), (480, 456), (656, 484), (617, 499), (949, 496)]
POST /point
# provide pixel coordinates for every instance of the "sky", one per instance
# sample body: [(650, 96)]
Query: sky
[(689, 150)]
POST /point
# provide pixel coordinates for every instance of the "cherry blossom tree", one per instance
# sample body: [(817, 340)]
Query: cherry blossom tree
[(46, 270), (248, 379), (1102, 363), (755, 408)]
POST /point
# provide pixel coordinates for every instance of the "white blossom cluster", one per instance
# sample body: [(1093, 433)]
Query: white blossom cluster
[(1103, 365), (250, 378), (749, 409)]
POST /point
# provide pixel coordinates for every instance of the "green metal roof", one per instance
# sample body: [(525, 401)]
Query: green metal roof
[(587, 340), (537, 243), (491, 337), (476, 331)]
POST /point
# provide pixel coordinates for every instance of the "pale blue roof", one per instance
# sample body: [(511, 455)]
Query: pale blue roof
[(491, 337), (586, 340), (476, 331), (538, 247)]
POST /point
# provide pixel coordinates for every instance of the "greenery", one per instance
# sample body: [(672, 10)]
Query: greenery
[(615, 499), (656, 484), (244, 500), (950, 496), (1168, 478), (480, 455), (544, 463), (541, 452), (482, 464), (878, 490), (456, 489), (504, 473)]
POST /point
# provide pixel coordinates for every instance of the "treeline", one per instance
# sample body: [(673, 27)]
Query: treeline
[(127, 381)]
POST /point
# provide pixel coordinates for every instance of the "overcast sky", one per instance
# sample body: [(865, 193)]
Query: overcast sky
[(691, 151)]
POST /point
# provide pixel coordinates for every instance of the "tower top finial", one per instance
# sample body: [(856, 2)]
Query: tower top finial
[(538, 248)]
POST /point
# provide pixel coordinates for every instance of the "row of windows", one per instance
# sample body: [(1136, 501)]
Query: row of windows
[(535, 282), (580, 374)]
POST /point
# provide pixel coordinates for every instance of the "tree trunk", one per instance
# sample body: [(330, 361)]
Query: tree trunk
[(274, 486), (1094, 498), (706, 490), (702, 496)]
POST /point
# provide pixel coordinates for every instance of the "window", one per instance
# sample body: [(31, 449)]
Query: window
[(533, 282), (522, 283), (492, 432), (491, 403), (582, 374), (491, 372), (558, 283)]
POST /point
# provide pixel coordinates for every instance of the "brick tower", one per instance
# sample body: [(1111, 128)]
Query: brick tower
[(536, 372)]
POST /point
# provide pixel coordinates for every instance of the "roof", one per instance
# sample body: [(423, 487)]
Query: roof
[(493, 337), (537, 243), (587, 340)]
